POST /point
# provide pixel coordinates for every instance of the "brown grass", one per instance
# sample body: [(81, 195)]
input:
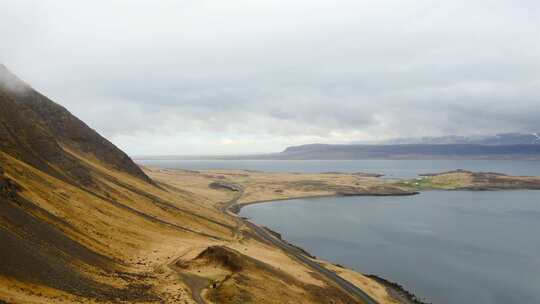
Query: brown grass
[(144, 232)]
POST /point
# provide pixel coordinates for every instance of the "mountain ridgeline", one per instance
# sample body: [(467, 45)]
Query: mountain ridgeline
[(56, 174), (411, 151), (497, 139), (517, 146), (42, 133), (80, 222)]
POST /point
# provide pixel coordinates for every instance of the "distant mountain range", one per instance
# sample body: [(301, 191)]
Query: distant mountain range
[(411, 151), (386, 151), (500, 146), (498, 139)]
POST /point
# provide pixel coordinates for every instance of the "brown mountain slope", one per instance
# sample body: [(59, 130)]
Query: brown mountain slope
[(70, 218), (73, 206), (58, 124), (81, 223), (25, 138)]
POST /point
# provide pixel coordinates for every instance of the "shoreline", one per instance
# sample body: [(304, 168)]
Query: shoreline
[(397, 291), (237, 207), (340, 186)]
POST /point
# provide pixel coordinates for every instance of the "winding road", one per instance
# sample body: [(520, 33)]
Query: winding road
[(350, 288)]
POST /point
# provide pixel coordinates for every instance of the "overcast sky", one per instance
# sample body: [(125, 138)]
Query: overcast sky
[(244, 76)]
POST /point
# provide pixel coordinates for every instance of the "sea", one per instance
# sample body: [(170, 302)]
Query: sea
[(446, 247), (390, 168)]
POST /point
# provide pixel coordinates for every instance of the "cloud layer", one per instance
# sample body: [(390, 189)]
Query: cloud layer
[(205, 77)]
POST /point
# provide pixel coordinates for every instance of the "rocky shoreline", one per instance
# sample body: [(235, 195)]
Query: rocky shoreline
[(278, 235), (451, 180), (395, 290), (398, 291)]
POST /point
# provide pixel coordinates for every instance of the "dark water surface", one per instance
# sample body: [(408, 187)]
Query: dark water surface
[(390, 168), (449, 247)]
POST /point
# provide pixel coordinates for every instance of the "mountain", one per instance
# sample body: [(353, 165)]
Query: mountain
[(43, 133), (77, 214), (410, 151), (498, 139), (500, 146), (80, 222)]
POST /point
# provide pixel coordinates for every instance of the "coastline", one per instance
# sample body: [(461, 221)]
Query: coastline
[(236, 208), (397, 291), (257, 187)]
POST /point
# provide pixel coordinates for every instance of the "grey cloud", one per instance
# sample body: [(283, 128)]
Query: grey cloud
[(331, 71), (8, 81)]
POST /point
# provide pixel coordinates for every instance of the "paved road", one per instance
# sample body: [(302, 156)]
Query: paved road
[(296, 253)]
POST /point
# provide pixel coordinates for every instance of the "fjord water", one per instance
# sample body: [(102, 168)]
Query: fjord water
[(450, 247), (390, 168)]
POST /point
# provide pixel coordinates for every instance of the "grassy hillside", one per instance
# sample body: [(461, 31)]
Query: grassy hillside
[(31, 121), (81, 223)]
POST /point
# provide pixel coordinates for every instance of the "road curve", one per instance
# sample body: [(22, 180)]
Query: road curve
[(296, 253)]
